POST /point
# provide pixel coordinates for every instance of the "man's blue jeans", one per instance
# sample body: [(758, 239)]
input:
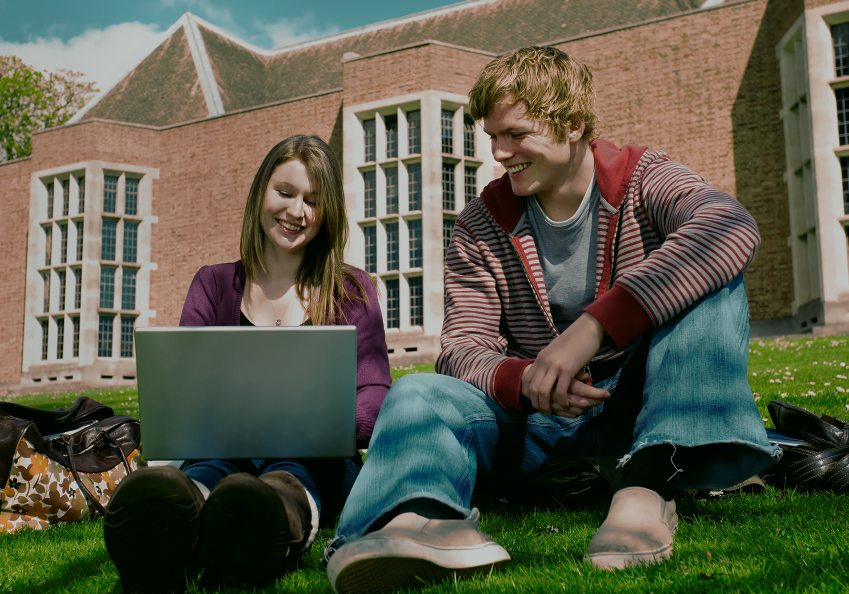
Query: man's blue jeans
[(436, 437)]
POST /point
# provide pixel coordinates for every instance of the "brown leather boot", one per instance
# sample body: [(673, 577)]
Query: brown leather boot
[(151, 529), (297, 505), (250, 527)]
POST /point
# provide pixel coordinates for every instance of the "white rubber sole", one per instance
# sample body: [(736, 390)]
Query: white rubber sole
[(618, 560), (380, 565)]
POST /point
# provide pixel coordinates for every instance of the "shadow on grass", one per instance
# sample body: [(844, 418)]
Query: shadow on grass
[(74, 575)]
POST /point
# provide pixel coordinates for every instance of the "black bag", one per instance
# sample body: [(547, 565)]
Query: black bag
[(821, 461), (62, 465)]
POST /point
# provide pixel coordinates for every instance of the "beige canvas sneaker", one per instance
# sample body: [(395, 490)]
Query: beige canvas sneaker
[(639, 528), (411, 551)]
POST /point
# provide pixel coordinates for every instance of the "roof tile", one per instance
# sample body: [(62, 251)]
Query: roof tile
[(163, 89), (248, 79)]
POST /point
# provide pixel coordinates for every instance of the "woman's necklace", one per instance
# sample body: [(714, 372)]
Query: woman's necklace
[(265, 307)]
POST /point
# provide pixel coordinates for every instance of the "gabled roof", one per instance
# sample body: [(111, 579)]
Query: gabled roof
[(200, 71), (163, 89)]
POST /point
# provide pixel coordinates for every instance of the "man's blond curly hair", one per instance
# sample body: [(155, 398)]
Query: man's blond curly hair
[(555, 88)]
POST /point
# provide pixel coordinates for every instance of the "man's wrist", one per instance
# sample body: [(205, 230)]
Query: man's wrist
[(592, 329)]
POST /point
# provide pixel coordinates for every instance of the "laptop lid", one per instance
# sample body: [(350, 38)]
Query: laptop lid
[(246, 392)]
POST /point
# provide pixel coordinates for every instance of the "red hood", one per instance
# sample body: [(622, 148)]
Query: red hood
[(613, 168)]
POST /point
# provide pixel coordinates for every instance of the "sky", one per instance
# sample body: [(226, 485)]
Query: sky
[(104, 39)]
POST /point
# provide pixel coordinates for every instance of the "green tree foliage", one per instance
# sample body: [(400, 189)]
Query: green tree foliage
[(31, 100)]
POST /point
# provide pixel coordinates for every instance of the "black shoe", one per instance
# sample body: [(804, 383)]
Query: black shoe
[(151, 529), (244, 533)]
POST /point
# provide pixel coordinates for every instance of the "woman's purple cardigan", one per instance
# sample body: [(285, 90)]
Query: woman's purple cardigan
[(215, 299)]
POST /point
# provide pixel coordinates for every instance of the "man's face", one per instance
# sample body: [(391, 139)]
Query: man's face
[(538, 163)]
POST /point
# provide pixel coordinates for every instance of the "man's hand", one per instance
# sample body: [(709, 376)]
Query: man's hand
[(555, 381)]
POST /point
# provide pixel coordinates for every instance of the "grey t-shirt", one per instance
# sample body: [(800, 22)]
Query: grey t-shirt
[(567, 251)]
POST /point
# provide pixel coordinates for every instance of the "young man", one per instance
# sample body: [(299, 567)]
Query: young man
[(594, 307)]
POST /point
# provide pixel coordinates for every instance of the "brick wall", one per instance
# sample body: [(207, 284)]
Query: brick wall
[(705, 88), (431, 66), (14, 219), (206, 170), (94, 140), (55, 148)]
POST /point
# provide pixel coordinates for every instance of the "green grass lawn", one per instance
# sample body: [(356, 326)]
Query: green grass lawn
[(775, 541)]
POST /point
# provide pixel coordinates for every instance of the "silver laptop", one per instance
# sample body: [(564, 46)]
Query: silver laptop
[(247, 392)]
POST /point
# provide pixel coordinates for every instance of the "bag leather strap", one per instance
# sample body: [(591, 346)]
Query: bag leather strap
[(824, 462), (92, 497), (812, 470), (83, 410), (837, 477)]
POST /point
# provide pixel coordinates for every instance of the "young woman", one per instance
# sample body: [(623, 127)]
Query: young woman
[(241, 521)]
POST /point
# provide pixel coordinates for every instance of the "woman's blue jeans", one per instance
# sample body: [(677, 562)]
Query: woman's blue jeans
[(685, 384), (327, 480)]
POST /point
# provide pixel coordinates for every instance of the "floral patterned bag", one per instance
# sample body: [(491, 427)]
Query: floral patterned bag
[(62, 465)]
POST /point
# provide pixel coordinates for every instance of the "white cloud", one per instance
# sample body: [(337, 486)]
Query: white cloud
[(264, 34), (293, 30), (221, 17), (102, 55)]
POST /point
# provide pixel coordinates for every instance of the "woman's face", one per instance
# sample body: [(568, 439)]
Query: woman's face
[(289, 216)]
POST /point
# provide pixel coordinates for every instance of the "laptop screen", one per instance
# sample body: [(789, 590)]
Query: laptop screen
[(246, 392)]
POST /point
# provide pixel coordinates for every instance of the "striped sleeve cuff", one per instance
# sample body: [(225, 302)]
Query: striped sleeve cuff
[(508, 382), (621, 315)]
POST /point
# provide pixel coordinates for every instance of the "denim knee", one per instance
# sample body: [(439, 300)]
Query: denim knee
[(412, 386), (453, 401)]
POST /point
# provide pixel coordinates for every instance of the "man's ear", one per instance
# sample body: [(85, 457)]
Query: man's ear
[(576, 132)]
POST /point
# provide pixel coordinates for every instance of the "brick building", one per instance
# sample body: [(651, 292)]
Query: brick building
[(107, 221)]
